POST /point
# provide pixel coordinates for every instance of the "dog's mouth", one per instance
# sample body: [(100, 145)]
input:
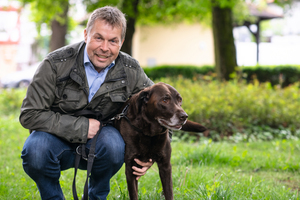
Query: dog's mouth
[(167, 125)]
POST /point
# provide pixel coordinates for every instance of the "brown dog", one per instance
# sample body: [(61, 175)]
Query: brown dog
[(144, 125)]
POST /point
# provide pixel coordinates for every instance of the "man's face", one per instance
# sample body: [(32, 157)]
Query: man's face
[(103, 44)]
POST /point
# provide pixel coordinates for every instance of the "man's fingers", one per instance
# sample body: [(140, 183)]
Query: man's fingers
[(141, 171), (94, 126), (144, 164), (138, 171)]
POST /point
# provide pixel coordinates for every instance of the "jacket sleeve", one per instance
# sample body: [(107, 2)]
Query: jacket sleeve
[(36, 113)]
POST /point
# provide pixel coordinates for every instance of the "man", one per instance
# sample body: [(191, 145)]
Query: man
[(90, 75)]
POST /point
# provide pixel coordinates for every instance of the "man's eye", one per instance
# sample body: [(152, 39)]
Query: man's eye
[(114, 42)]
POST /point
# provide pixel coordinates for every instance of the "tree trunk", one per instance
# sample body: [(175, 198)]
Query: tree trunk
[(127, 45), (59, 30), (225, 52), (130, 8)]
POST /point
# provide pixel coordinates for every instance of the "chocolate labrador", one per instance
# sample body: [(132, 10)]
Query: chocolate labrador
[(144, 125)]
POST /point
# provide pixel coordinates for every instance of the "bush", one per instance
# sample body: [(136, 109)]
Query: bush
[(235, 110), (276, 75), (173, 71), (11, 100), (252, 110)]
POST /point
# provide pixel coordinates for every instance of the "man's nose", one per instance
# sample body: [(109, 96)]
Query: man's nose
[(104, 45)]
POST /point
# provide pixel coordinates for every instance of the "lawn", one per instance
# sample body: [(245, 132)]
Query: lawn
[(201, 170)]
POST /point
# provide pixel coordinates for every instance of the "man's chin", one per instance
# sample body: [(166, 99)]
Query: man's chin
[(100, 65)]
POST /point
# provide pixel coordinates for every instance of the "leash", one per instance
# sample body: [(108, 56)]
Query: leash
[(123, 114), (80, 150), (81, 154)]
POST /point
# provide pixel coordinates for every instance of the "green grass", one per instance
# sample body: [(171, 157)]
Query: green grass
[(203, 170)]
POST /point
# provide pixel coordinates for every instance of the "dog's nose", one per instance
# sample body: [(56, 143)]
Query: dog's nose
[(183, 116)]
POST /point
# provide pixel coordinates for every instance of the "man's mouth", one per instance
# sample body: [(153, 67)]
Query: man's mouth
[(102, 56)]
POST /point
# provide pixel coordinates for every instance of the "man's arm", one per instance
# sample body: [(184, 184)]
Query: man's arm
[(37, 115)]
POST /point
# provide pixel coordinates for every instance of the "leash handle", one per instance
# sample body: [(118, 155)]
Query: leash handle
[(90, 161), (77, 160)]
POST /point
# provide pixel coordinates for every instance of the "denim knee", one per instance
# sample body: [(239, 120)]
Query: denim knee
[(110, 146), (36, 155)]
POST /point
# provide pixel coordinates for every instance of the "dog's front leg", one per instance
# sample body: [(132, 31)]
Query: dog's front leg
[(131, 182), (165, 173)]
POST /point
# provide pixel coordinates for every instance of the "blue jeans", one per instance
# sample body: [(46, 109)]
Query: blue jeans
[(45, 156)]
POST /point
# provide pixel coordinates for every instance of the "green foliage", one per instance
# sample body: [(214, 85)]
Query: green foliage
[(11, 101), (205, 170), (170, 11), (257, 156), (202, 170), (44, 11), (247, 110), (282, 75), (189, 72)]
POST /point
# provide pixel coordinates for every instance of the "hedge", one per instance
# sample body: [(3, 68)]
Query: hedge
[(283, 74)]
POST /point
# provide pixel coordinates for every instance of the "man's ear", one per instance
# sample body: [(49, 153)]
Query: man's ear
[(121, 44), (85, 35)]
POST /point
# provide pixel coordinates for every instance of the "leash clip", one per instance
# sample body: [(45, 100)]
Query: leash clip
[(122, 114), (119, 116), (79, 152)]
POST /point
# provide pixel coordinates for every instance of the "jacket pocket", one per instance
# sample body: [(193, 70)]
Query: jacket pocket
[(69, 100), (118, 97), (112, 104)]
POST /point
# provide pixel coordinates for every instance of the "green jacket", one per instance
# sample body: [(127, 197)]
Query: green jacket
[(60, 83)]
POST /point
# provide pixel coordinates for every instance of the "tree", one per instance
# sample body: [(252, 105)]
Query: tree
[(220, 13), (55, 15), (147, 12), (225, 52), (170, 11)]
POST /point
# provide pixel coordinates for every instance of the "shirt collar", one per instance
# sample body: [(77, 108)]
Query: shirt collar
[(87, 62)]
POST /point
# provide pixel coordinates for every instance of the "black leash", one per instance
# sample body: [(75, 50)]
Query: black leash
[(123, 114), (81, 154), (80, 150)]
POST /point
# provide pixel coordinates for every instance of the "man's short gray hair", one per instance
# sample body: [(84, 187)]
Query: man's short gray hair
[(111, 15)]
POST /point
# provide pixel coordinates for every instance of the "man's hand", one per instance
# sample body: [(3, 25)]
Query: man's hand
[(141, 171), (94, 126)]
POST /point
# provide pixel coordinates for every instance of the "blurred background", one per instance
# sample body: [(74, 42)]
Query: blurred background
[(166, 32)]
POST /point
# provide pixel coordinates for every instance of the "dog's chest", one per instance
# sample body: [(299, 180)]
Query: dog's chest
[(151, 147)]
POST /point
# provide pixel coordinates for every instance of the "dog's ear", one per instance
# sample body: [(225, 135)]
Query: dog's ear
[(143, 98)]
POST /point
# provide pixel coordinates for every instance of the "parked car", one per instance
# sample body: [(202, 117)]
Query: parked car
[(19, 79)]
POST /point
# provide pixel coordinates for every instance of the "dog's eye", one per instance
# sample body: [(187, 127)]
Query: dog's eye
[(166, 100)]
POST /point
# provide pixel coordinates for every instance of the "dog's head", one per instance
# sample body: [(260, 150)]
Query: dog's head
[(162, 102)]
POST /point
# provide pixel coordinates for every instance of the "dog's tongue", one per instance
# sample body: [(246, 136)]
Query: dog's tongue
[(178, 127)]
